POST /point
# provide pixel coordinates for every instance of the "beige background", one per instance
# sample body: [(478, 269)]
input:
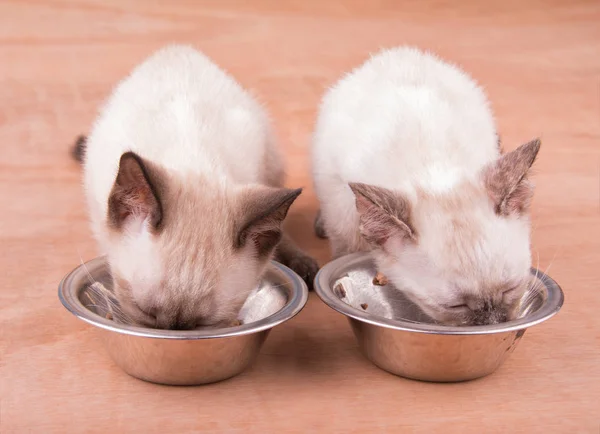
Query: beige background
[(538, 60)]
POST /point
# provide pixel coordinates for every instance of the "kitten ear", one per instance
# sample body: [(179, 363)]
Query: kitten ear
[(383, 214), (133, 194), (506, 179), (262, 213)]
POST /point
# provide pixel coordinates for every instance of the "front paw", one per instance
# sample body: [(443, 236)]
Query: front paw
[(305, 267)]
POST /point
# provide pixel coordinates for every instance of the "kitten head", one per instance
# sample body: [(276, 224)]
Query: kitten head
[(464, 257), (186, 251)]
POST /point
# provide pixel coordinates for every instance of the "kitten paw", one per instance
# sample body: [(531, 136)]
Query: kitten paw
[(305, 267)]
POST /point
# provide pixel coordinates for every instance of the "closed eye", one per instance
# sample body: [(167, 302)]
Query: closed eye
[(458, 306), (513, 290), (511, 294)]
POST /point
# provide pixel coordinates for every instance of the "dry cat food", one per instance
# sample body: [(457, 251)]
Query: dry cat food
[(108, 315), (339, 290), (364, 306), (236, 323), (380, 280)]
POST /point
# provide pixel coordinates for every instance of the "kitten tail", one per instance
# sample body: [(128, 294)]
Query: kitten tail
[(78, 149)]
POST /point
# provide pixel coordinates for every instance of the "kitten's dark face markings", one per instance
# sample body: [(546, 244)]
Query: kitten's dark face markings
[(210, 246), (175, 316), (488, 314), (143, 187), (499, 305), (476, 237)]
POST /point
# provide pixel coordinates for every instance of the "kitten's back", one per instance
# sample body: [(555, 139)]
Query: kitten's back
[(404, 118), (181, 111)]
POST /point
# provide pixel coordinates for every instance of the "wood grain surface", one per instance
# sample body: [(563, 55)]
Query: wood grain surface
[(540, 64)]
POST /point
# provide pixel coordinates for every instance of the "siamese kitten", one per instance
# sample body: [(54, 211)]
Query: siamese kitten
[(185, 191), (406, 164)]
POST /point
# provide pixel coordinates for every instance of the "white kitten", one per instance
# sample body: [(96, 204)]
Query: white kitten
[(406, 164), (185, 192)]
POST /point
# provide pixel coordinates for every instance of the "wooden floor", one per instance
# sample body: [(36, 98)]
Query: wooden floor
[(538, 60)]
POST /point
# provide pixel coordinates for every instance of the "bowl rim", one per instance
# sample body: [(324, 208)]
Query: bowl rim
[(71, 284), (552, 305)]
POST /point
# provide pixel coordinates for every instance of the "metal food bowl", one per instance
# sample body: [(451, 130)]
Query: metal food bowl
[(394, 334), (187, 357)]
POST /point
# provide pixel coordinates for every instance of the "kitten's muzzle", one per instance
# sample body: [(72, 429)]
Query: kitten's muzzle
[(482, 317), (488, 314)]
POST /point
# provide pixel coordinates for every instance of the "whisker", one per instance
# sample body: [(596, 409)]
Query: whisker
[(110, 303), (532, 293), (537, 285), (551, 262), (90, 277)]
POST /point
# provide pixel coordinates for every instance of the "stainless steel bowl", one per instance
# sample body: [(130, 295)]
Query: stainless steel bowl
[(396, 336), (187, 357)]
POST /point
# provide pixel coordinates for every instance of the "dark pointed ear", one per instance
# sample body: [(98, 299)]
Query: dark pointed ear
[(506, 180), (133, 194), (383, 214), (262, 213)]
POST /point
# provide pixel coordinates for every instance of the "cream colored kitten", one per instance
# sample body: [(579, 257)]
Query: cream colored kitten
[(407, 165), (185, 192)]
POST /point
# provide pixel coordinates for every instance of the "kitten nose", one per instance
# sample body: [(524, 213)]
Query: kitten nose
[(489, 316), (175, 323), (184, 325)]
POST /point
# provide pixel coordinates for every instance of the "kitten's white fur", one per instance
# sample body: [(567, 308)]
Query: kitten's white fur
[(402, 120), (180, 111), (170, 104), (409, 122)]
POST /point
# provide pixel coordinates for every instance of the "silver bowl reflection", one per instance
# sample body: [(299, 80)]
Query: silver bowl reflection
[(398, 337), (187, 357)]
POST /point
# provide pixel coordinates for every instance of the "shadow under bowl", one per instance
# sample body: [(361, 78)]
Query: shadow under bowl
[(395, 335), (185, 357)]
